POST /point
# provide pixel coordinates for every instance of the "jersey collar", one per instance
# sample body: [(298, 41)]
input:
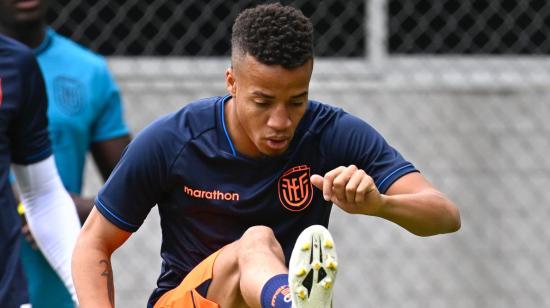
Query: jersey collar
[(224, 127), (46, 42), (300, 131)]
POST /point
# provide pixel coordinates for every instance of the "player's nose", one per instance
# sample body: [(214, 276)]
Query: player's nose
[(279, 119)]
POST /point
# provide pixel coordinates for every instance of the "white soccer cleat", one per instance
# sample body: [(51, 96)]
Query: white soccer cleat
[(312, 269)]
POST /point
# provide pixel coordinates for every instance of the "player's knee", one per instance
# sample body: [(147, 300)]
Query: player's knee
[(259, 240), (258, 232), (258, 236)]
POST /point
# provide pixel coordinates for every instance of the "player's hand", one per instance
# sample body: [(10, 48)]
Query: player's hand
[(83, 206), (27, 233), (351, 189)]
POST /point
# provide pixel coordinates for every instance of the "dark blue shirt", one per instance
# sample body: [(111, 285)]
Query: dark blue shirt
[(208, 194), (23, 140)]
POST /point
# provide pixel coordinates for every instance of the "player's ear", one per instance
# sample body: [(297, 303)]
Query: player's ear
[(230, 81)]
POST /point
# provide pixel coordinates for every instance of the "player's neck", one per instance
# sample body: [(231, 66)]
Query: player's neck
[(236, 132), (31, 35)]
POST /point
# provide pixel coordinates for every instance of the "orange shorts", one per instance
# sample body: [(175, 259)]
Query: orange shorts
[(185, 295)]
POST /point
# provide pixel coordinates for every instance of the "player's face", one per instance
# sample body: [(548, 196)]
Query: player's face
[(20, 12), (268, 102)]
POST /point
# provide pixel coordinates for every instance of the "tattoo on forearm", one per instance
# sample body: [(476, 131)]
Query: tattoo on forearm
[(108, 273)]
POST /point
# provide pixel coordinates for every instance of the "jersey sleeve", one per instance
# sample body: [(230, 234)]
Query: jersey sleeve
[(350, 140), (139, 180), (29, 137), (110, 121)]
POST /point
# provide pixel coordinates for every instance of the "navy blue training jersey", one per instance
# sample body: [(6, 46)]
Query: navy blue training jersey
[(208, 194), (23, 140)]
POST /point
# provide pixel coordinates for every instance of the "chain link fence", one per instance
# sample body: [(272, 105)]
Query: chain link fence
[(194, 27), (459, 87), (469, 27)]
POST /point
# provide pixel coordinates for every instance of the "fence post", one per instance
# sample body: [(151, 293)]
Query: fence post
[(376, 31)]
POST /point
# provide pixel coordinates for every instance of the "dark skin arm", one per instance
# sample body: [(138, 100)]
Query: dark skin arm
[(106, 155)]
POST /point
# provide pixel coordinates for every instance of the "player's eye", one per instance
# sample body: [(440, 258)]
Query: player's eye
[(261, 103)]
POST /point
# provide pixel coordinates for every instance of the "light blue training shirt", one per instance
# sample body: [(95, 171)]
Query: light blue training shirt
[(84, 104)]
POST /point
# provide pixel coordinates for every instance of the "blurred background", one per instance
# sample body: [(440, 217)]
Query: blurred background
[(460, 87)]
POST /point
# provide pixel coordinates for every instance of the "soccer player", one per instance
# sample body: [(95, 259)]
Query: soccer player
[(24, 142), (234, 180), (84, 113)]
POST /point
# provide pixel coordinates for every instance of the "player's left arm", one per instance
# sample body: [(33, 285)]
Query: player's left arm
[(411, 201), (50, 214)]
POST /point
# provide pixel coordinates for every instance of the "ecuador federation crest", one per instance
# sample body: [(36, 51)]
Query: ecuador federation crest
[(69, 94), (295, 189)]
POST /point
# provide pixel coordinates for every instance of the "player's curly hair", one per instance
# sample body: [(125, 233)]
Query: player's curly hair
[(273, 34)]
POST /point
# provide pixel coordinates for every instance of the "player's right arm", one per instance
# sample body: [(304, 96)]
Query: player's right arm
[(137, 183), (91, 264)]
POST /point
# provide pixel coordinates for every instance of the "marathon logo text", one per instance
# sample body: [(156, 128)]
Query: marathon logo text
[(211, 195)]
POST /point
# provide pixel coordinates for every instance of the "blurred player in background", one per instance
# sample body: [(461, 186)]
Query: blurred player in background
[(84, 113), (233, 178), (24, 142)]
